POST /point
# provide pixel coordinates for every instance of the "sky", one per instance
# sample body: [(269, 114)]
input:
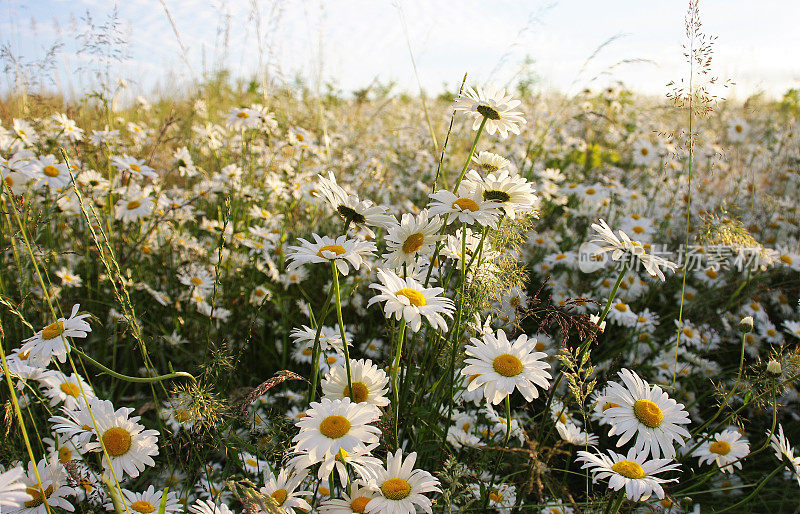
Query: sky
[(352, 43)]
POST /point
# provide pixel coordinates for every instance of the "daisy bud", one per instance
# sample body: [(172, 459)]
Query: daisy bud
[(746, 324), (594, 318), (774, 367)]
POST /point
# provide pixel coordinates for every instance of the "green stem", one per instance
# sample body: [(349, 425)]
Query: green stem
[(312, 393), (395, 370), (345, 347), (471, 153), (615, 504), (127, 378)]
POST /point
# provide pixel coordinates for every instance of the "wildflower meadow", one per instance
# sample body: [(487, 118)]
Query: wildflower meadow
[(254, 298)]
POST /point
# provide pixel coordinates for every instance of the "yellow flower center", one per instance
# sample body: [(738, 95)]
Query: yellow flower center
[(87, 485), (644, 151), (117, 441), (142, 506), (621, 307), (648, 413), (738, 128), (360, 504), (135, 167), (251, 462), (182, 415), (52, 331), (10, 182), (70, 389), (629, 469), (280, 496), (51, 171), (710, 273), (307, 351), (324, 491), (786, 259), (134, 204), (37, 498), (539, 346), (720, 447), (337, 249), (413, 243), (465, 204), (64, 455), (609, 405), (396, 489), (331, 360), (416, 298), (495, 497), (196, 281), (507, 365), (242, 114), (639, 230), (488, 112), (334, 426), (360, 392)]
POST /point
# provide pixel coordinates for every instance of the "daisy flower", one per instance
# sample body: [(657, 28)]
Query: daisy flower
[(209, 507), (198, 278), (633, 472), (150, 501), (784, 451), (513, 192), (137, 204), (573, 434), (415, 235), (646, 412), (67, 389), (333, 425), (468, 206), (325, 249), (130, 447), (68, 279), (12, 489), (502, 497), (410, 300), (243, 118), (62, 448), (502, 366), (369, 383), (725, 448), (52, 490), (252, 464), (48, 172), (76, 424), (351, 208), (50, 341), (283, 490), (494, 106), (633, 251), (330, 337), (401, 488), (355, 502), (361, 461), (24, 131), (132, 165), (792, 327), (491, 162)]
